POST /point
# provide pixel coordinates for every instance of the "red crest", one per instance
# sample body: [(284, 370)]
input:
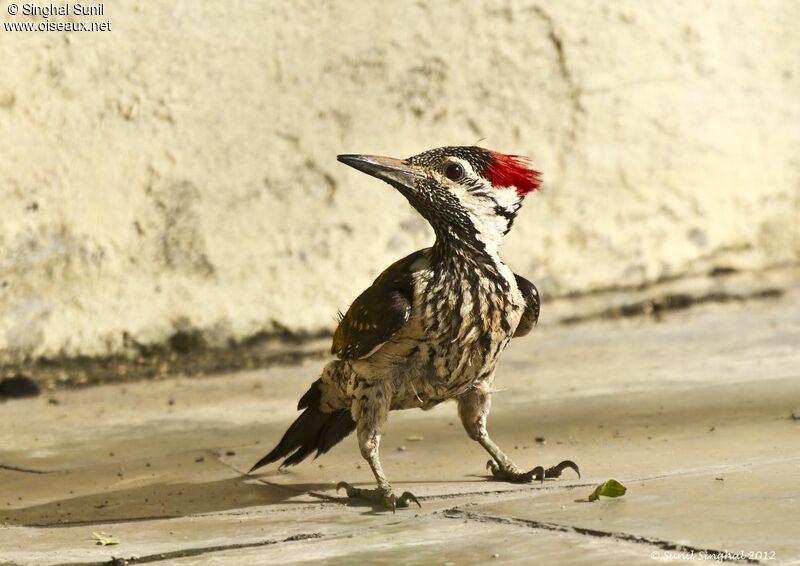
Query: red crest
[(512, 171)]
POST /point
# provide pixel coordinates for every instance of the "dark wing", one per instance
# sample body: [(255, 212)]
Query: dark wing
[(531, 315), (375, 316), (378, 313)]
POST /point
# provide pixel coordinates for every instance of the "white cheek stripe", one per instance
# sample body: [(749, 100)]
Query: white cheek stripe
[(491, 226), (507, 197)]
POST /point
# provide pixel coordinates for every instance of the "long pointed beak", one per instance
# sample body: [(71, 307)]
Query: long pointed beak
[(384, 168)]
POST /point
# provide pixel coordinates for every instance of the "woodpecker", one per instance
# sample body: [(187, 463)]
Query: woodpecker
[(432, 326)]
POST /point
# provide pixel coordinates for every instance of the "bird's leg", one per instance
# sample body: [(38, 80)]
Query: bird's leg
[(370, 409), (473, 408)]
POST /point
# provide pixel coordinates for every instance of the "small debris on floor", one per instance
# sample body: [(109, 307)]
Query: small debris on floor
[(230, 453), (104, 539), (541, 440), (795, 416), (414, 438), (53, 401), (199, 459), (712, 429), (720, 479), (610, 488), (402, 448), (17, 387)]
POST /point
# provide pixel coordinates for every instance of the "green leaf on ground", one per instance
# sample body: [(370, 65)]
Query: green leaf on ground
[(104, 539), (611, 488)]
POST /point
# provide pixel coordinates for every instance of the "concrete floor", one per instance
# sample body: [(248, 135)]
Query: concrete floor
[(692, 414)]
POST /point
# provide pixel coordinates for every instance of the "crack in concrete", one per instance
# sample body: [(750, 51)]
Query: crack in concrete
[(528, 488), (102, 521), (574, 91), (13, 468), (189, 552), (662, 544)]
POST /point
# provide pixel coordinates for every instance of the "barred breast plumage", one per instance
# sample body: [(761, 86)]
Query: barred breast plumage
[(462, 317)]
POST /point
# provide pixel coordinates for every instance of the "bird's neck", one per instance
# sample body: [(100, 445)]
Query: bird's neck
[(459, 252)]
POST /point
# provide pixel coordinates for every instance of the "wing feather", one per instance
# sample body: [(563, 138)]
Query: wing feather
[(378, 313), (532, 304)]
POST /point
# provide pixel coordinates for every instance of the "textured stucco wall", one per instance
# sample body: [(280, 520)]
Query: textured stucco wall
[(179, 171)]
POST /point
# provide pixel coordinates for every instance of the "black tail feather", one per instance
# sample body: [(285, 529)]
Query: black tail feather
[(313, 430), (312, 397)]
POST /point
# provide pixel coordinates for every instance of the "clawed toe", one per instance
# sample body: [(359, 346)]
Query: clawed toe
[(406, 497), (351, 491), (555, 471), (380, 496), (512, 474)]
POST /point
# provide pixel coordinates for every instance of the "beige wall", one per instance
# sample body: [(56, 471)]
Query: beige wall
[(179, 171)]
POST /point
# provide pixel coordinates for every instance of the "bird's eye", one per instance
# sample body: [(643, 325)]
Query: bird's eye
[(454, 171)]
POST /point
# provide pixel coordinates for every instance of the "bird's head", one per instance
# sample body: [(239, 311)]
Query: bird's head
[(470, 195)]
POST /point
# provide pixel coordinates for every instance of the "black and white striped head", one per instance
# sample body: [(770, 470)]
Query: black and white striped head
[(468, 194)]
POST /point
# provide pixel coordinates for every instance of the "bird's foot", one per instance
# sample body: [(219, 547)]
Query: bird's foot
[(381, 496), (512, 474)]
